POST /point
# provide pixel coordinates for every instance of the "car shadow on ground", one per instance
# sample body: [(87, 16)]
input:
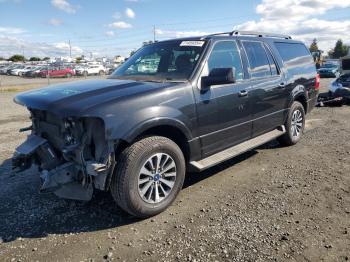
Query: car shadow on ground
[(27, 214)]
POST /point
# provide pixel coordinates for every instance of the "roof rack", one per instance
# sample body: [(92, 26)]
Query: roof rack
[(260, 34), (250, 33)]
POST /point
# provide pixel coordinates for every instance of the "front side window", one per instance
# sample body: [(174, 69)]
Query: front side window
[(164, 61), (225, 54), (258, 60)]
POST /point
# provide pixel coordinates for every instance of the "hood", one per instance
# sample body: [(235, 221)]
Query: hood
[(77, 98)]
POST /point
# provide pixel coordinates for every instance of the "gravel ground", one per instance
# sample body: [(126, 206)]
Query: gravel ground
[(17, 83), (271, 204)]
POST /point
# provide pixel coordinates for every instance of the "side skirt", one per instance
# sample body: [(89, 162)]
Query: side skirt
[(236, 150)]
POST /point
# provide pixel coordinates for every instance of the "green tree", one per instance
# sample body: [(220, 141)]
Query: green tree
[(46, 58), (132, 52), (34, 58), (2, 59), (339, 50), (78, 59), (17, 58), (314, 46)]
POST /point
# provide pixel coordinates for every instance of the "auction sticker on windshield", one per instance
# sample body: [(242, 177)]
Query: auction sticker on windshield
[(192, 43)]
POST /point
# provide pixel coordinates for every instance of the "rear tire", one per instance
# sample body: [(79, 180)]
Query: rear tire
[(295, 125), (137, 187), (68, 75)]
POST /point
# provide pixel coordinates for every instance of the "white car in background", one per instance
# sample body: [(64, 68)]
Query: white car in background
[(91, 70), (21, 70)]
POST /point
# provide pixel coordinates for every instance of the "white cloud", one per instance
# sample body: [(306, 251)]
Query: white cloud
[(55, 22), (109, 33), (64, 6), (65, 47), (117, 15), (130, 13), (297, 9), (11, 30), (171, 33), (299, 19), (10, 45), (120, 25)]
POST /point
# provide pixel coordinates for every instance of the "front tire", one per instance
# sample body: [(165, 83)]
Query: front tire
[(295, 125), (149, 175)]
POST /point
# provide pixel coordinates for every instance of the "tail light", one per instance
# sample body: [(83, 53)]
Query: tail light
[(317, 82)]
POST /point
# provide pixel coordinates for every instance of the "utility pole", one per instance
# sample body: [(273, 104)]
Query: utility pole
[(70, 49), (23, 52), (154, 34)]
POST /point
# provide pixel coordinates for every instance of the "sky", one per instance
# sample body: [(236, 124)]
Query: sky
[(115, 27)]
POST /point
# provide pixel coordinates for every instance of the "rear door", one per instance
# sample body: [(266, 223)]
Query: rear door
[(268, 88), (223, 111)]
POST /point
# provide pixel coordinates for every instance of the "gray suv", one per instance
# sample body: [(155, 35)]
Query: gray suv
[(174, 106)]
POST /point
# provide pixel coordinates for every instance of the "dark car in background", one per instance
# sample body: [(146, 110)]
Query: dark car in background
[(176, 105), (329, 70), (35, 72)]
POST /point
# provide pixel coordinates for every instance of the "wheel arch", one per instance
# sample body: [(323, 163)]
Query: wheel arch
[(301, 98)]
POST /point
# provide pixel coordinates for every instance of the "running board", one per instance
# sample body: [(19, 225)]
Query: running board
[(236, 150)]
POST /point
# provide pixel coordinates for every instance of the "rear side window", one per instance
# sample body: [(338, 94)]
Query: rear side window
[(292, 51), (258, 60)]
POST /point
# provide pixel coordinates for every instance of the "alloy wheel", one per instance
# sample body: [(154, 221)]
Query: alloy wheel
[(157, 178), (297, 123)]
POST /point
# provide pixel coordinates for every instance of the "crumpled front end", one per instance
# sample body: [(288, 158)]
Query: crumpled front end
[(72, 154)]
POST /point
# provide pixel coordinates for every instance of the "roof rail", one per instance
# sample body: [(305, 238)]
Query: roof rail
[(222, 33), (250, 33), (260, 34)]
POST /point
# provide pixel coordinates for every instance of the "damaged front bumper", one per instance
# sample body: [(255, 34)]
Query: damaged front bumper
[(73, 170)]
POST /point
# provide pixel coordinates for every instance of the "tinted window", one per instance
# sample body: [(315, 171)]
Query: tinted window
[(345, 64), (225, 55), (291, 51), (258, 60)]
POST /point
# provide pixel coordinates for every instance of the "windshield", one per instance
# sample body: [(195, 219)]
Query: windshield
[(165, 61)]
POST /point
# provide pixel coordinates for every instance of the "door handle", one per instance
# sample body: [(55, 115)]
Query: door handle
[(282, 85), (243, 93)]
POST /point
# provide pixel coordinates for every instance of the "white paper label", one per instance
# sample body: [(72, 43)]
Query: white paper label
[(192, 43)]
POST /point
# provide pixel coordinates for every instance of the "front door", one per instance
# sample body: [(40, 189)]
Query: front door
[(224, 112)]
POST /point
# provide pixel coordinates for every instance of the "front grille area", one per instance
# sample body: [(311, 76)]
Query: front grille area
[(50, 127)]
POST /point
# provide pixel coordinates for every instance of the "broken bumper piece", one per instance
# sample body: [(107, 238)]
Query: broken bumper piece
[(65, 178)]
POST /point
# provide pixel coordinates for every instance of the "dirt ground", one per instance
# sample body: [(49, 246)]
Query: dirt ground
[(271, 204), (16, 83)]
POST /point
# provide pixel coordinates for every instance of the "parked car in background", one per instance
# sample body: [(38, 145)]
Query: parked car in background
[(202, 101), (35, 71), (3, 69), (91, 70), (12, 67), (341, 86), (329, 70), (21, 70), (57, 72)]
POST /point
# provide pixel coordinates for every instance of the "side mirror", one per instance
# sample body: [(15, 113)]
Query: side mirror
[(218, 76)]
